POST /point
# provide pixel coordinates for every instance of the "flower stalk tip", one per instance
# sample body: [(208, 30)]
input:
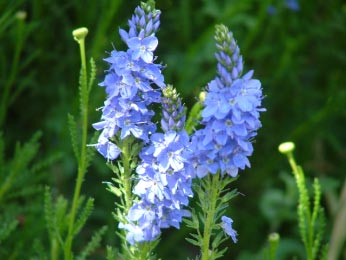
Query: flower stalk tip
[(21, 15), (286, 147), (80, 34)]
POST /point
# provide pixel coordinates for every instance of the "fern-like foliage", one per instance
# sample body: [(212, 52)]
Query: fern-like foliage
[(213, 197), (66, 219), (74, 136), (311, 220), (93, 243), (21, 175)]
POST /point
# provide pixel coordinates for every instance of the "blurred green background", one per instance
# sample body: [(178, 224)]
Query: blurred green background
[(299, 56)]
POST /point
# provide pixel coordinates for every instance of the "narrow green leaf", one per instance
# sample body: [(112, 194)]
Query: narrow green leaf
[(92, 74), (83, 91), (317, 198), (73, 133), (217, 240), (193, 242), (48, 212), (193, 118), (60, 214), (217, 254), (83, 216)]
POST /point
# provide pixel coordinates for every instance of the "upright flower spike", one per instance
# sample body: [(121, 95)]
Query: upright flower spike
[(230, 62), (230, 117), (165, 176), (132, 83)]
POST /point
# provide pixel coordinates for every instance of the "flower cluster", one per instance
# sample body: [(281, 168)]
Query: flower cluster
[(164, 185), (230, 116), (129, 84)]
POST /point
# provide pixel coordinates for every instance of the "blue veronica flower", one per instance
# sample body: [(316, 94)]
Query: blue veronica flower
[(132, 83), (165, 176), (230, 117), (142, 48), (226, 224)]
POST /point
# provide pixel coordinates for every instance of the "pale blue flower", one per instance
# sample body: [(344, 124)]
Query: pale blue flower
[(226, 224)]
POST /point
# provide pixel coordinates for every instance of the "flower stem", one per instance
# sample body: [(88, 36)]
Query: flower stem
[(81, 33), (126, 178), (213, 194)]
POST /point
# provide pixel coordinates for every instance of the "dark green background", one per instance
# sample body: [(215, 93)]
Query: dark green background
[(298, 56)]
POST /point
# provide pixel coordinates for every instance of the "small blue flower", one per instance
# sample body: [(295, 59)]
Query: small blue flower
[(142, 48), (226, 224)]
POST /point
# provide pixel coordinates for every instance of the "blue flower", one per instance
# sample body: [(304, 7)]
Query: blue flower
[(230, 117), (142, 48), (226, 224), (165, 176), (132, 83)]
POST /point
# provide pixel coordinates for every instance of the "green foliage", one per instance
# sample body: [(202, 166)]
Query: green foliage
[(311, 221), (213, 196), (93, 244)]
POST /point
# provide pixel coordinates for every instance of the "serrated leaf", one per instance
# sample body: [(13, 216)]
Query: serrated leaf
[(83, 216), (83, 87), (48, 212), (92, 74), (74, 137), (60, 214), (93, 243)]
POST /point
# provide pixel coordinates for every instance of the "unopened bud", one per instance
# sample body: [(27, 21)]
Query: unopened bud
[(286, 147)]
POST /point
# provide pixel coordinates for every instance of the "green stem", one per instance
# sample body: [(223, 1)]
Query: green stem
[(213, 192), (126, 180), (126, 160), (82, 158), (54, 250)]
